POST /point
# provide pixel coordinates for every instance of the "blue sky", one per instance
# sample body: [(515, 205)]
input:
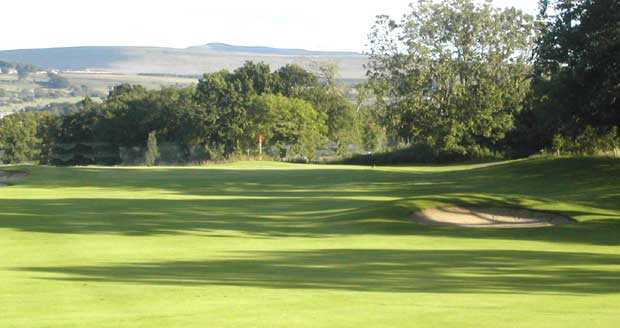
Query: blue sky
[(315, 24)]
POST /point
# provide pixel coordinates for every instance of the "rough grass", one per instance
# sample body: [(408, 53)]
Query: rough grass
[(277, 245)]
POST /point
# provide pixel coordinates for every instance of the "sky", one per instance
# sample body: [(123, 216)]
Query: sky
[(308, 24)]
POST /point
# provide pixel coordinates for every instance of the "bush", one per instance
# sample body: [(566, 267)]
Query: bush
[(426, 154), (151, 157), (589, 142)]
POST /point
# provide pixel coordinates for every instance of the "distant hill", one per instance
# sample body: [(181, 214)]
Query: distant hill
[(190, 61), (223, 47)]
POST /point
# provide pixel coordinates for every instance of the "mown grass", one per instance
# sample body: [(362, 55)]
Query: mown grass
[(279, 245)]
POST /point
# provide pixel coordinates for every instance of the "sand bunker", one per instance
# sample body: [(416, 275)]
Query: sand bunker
[(7, 178), (481, 217)]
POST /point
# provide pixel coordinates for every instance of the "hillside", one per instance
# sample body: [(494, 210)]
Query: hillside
[(228, 48), (190, 61)]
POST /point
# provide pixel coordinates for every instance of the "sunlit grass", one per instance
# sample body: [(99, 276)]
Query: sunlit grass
[(264, 244)]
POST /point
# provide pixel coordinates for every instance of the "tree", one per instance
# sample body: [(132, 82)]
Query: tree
[(368, 114), (152, 151), (326, 94), (23, 70), (577, 69), (19, 138), (223, 99), (291, 125), (339, 114), (75, 135), (125, 118), (453, 74), (254, 78), (56, 81), (222, 109), (5, 67), (293, 81)]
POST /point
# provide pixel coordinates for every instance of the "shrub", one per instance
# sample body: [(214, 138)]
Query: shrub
[(589, 142), (426, 154), (151, 157)]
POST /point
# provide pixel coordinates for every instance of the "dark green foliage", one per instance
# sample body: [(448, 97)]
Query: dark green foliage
[(226, 105), (290, 126), (458, 77), (19, 138), (590, 142), (294, 81), (54, 109), (422, 153), (77, 138), (577, 80)]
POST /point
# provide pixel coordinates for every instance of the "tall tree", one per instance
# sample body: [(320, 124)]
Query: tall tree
[(19, 139), (578, 66), (453, 73), (222, 107)]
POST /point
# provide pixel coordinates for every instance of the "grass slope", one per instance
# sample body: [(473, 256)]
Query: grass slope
[(277, 245)]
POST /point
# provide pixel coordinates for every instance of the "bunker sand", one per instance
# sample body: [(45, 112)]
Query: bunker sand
[(494, 217)]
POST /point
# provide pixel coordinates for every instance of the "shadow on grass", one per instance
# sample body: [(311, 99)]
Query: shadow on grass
[(289, 217), (436, 271), (269, 218), (316, 202)]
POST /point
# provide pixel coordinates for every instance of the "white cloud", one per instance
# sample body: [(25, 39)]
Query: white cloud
[(316, 24)]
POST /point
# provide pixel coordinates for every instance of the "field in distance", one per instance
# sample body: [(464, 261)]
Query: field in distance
[(18, 94)]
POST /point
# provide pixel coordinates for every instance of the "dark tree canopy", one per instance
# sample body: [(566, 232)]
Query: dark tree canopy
[(578, 62)]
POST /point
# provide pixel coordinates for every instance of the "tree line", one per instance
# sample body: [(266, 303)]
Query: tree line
[(458, 80), (293, 112), (451, 80), (22, 70)]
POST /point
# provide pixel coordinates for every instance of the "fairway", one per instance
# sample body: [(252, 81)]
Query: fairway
[(262, 244)]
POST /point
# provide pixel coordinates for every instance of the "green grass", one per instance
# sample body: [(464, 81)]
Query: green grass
[(280, 245)]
